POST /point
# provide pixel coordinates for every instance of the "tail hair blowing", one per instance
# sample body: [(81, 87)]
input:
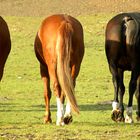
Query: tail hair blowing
[(63, 49)]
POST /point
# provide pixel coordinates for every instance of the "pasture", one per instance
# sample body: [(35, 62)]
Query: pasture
[(21, 89)]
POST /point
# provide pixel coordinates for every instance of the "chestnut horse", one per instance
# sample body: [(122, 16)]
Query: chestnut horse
[(59, 47), (5, 44), (122, 47)]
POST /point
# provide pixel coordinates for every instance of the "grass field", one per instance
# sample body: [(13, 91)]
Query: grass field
[(21, 89), (21, 99)]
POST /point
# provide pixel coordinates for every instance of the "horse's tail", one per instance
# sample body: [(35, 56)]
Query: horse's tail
[(63, 49), (132, 30)]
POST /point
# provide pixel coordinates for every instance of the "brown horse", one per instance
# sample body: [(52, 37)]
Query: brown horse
[(5, 44), (122, 47), (59, 47)]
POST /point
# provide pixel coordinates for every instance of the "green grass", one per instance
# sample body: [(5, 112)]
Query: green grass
[(21, 89)]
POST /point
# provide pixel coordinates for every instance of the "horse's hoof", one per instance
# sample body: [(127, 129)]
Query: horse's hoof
[(47, 120), (60, 123), (138, 118), (68, 119), (121, 119), (128, 119), (117, 116), (138, 115)]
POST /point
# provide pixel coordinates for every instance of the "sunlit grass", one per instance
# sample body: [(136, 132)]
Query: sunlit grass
[(21, 90)]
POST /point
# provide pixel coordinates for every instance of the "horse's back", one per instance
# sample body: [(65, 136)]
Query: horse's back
[(5, 44)]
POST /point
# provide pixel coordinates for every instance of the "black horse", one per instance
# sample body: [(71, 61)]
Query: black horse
[(5, 44), (122, 46)]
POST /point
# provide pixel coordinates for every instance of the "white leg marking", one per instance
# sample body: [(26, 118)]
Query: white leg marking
[(115, 105), (68, 109), (60, 112), (128, 118)]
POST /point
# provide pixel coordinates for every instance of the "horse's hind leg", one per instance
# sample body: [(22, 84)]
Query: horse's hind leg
[(60, 103), (132, 89), (58, 93), (47, 92), (118, 109), (68, 115), (121, 94), (115, 103), (138, 99)]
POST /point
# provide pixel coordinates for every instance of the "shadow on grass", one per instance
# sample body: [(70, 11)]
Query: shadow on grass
[(83, 107), (106, 105), (18, 107), (103, 106), (75, 123), (94, 107)]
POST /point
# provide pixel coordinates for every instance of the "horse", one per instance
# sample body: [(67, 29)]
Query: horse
[(122, 48), (5, 44), (59, 48)]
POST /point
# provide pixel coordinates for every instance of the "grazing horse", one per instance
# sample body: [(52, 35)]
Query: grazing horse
[(59, 47), (5, 44), (122, 46)]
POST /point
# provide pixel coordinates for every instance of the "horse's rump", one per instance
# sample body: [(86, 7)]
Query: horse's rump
[(132, 24), (123, 37)]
